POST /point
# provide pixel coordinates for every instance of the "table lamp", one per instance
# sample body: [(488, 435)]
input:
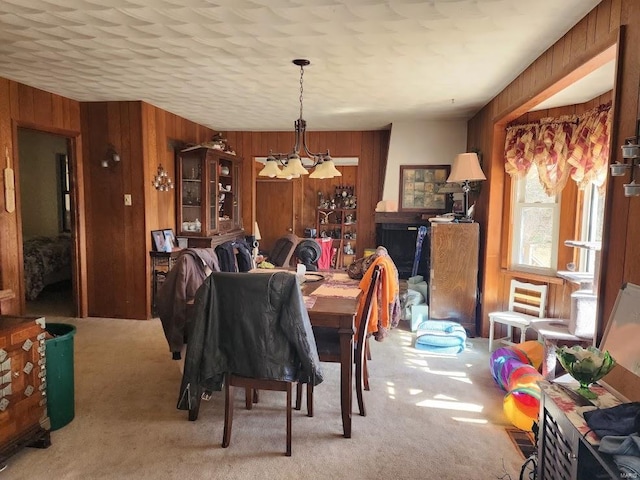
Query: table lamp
[(465, 169), (256, 242), (450, 189)]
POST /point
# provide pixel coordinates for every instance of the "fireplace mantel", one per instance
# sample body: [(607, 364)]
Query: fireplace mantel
[(408, 218)]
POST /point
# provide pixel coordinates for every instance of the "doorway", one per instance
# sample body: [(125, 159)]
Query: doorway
[(44, 175)]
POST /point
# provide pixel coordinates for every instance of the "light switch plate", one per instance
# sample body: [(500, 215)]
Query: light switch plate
[(127, 199)]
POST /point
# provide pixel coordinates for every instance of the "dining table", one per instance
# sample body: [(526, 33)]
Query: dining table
[(331, 298)]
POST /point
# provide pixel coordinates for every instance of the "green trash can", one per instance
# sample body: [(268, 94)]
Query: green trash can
[(59, 376)]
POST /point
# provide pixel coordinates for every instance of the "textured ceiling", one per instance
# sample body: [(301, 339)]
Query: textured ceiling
[(227, 63)]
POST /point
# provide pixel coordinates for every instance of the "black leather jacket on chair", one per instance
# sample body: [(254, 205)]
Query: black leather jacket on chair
[(250, 324)]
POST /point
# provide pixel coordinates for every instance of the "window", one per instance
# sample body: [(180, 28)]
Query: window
[(535, 225), (592, 221), (64, 191)]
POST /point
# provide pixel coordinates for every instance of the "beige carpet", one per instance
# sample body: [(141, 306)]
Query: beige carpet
[(429, 417)]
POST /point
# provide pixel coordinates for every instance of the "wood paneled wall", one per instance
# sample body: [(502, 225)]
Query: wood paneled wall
[(589, 43), (119, 236), (24, 106)]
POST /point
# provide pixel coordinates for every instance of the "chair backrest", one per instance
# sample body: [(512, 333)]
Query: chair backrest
[(363, 324), (283, 249), (528, 298)]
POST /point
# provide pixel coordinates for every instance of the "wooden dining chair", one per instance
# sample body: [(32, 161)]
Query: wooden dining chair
[(250, 331), (251, 386), (328, 345)]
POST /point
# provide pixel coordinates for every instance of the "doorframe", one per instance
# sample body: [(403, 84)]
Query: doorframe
[(78, 237)]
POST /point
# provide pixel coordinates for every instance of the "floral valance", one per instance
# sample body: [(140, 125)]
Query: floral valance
[(571, 146)]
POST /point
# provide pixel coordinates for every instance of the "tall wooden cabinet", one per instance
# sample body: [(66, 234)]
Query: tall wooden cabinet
[(453, 283), (208, 196)]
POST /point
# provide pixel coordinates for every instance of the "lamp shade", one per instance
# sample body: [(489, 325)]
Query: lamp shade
[(270, 168), (330, 169), (256, 231), (466, 167), (294, 168)]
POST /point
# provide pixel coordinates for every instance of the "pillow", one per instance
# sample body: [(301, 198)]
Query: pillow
[(441, 336)]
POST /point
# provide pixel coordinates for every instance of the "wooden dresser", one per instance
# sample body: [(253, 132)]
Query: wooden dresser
[(23, 406), (453, 281)]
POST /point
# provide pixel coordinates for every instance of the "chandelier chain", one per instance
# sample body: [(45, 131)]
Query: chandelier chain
[(301, 88)]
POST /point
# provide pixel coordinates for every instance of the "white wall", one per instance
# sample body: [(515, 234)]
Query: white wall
[(434, 142), (39, 191)]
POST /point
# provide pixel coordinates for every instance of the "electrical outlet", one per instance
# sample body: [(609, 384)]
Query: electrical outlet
[(127, 199)]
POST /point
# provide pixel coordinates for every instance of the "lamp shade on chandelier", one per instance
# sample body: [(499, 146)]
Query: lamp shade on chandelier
[(293, 167)]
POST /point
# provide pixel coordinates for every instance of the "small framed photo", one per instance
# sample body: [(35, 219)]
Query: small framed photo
[(157, 240), (170, 238)]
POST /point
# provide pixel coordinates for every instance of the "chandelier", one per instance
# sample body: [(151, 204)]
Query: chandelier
[(293, 167)]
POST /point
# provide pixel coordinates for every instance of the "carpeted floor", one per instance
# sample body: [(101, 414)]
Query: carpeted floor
[(429, 417)]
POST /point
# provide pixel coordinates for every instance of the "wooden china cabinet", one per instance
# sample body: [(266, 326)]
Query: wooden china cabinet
[(208, 196)]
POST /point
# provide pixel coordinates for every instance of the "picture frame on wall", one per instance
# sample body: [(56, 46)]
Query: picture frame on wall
[(170, 237), (419, 186), (157, 240)]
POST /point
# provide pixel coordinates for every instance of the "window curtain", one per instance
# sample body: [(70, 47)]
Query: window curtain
[(571, 146)]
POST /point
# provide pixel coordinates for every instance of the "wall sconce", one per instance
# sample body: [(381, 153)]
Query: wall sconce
[(162, 181), (630, 151), (110, 156)]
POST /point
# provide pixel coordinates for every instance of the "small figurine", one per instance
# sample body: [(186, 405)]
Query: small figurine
[(325, 217), (348, 249)]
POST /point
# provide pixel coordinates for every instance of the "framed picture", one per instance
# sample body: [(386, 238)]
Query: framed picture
[(419, 185), (157, 240), (170, 237)]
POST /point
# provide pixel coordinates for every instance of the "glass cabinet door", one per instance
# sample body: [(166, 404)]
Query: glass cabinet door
[(191, 191), (236, 197), (212, 211), (227, 194)]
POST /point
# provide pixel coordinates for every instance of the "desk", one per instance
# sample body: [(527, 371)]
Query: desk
[(338, 313)]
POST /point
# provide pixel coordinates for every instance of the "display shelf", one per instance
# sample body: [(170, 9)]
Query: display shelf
[(341, 225)]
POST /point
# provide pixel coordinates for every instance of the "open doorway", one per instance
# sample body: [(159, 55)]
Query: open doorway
[(45, 212)]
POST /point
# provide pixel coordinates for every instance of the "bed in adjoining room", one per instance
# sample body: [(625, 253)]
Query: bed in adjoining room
[(47, 260)]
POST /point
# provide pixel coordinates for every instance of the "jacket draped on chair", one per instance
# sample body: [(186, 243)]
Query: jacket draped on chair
[(179, 289), (385, 312), (250, 324)]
